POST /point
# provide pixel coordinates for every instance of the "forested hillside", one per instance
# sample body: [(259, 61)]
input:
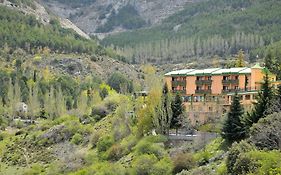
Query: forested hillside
[(216, 27), (24, 31)]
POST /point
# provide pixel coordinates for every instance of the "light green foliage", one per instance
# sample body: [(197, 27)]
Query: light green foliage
[(104, 143), (149, 146), (77, 139), (102, 168), (213, 149), (258, 162)]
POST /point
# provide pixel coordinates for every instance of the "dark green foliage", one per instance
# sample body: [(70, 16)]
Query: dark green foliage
[(99, 112), (266, 133), (233, 128), (164, 112), (103, 93), (263, 101), (235, 151), (120, 83), (203, 21), (24, 31), (127, 17), (177, 110)]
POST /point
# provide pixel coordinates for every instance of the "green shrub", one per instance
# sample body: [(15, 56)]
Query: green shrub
[(77, 139), (34, 170), (234, 153), (94, 139), (163, 167), (105, 143), (143, 165), (258, 162), (183, 161), (146, 147), (115, 152), (99, 112)]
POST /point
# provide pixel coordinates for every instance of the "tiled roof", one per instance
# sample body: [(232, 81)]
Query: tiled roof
[(211, 71)]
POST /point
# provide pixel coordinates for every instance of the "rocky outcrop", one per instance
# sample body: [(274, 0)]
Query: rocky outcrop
[(90, 17), (42, 14)]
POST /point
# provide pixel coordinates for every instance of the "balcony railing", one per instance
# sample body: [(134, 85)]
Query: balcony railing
[(201, 82), (230, 81), (240, 90), (178, 83), (179, 91), (203, 91)]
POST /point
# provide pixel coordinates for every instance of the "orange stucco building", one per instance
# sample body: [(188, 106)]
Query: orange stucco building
[(208, 93)]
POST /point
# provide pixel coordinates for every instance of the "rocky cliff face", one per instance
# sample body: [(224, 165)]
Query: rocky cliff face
[(42, 14), (97, 13)]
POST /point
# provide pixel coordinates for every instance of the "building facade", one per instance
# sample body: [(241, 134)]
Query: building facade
[(208, 93)]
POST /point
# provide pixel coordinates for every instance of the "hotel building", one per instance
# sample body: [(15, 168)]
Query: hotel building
[(208, 93)]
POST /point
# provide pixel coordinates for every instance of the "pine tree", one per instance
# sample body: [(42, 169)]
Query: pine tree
[(164, 112), (263, 101), (240, 59), (233, 128), (177, 110), (275, 103)]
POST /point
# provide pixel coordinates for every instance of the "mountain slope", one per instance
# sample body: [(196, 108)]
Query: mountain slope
[(231, 25), (39, 40), (95, 16)]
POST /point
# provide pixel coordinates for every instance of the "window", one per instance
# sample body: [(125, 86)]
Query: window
[(236, 87), (209, 78), (198, 87), (247, 97), (209, 87), (236, 77), (225, 87), (225, 77)]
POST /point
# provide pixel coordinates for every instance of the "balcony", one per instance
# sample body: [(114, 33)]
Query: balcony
[(179, 91), (225, 91), (244, 90), (201, 82), (178, 83), (230, 81), (203, 91)]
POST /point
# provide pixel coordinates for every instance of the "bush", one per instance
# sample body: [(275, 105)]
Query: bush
[(115, 152), (258, 162), (163, 167), (94, 139), (234, 153), (146, 147), (77, 139), (105, 143), (99, 112), (143, 165), (120, 83), (183, 161), (266, 133)]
